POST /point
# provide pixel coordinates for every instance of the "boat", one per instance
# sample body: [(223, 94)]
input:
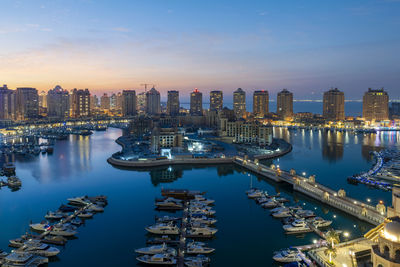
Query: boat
[(282, 214), (270, 204), (66, 208), (40, 227), (165, 219), (19, 242), (21, 258), (63, 230), (319, 222), (14, 182), (163, 228), (206, 211), (297, 226), (3, 254), (169, 203), (54, 240), (37, 248), (305, 213), (95, 208), (287, 255), (157, 249), (262, 200), (198, 261), (180, 193), (203, 219), (9, 168), (255, 193), (159, 259), (198, 249), (203, 199), (278, 209), (160, 240), (201, 231), (79, 201), (50, 215), (76, 222), (85, 214)]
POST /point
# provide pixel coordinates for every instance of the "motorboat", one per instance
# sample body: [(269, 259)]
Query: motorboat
[(55, 240), (156, 249), (3, 254), (21, 258), (287, 255), (206, 211), (85, 214), (201, 231), (19, 242), (278, 209), (159, 259), (40, 227), (14, 182), (63, 230), (255, 193), (167, 219), (37, 248), (305, 213), (95, 208), (66, 208), (270, 204), (76, 222), (282, 199), (296, 226), (163, 229), (262, 200), (169, 203), (198, 261), (203, 219), (160, 240), (51, 215), (198, 249), (319, 222), (282, 214), (203, 199), (79, 201)]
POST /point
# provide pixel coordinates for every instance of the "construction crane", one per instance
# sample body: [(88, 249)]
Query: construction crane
[(145, 85)]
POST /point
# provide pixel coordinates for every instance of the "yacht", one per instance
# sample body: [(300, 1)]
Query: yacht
[(40, 227), (14, 182), (201, 231), (206, 211), (197, 249), (282, 214), (55, 240), (79, 201), (287, 256), (85, 214), (63, 230), (66, 208), (169, 203), (203, 219), (319, 222), (166, 219), (37, 248), (163, 229), (51, 215), (305, 213), (156, 249), (3, 254), (277, 209), (203, 199), (19, 242), (95, 208), (20, 258), (160, 259), (296, 226), (198, 261), (254, 193), (262, 200), (270, 204), (76, 222)]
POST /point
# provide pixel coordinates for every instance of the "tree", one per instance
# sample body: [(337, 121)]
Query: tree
[(331, 252), (332, 237)]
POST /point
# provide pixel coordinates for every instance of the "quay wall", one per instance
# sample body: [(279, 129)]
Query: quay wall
[(166, 162)]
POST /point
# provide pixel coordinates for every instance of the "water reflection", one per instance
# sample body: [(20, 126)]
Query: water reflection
[(332, 145)]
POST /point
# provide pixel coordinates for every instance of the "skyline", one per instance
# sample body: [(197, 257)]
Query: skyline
[(307, 47)]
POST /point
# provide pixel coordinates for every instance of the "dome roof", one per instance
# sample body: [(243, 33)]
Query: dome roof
[(392, 231)]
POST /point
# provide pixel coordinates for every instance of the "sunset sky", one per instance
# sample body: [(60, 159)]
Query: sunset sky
[(305, 46)]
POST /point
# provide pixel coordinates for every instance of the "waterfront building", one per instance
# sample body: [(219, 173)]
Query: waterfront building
[(7, 103), (94, 101), (333, 105), (113, 101), (216, 100), (129, 103), (118, 102), (43, 99), (376, 105), (165, 138), (141, 101), (284, 107), (153, 105), (394, 110), (27, 103), (105, 101), (196, 102), (239, 103), (173, 104), (260, 103), (80, 103), (58, 102), (246, 132)]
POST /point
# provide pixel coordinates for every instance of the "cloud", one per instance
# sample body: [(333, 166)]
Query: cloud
[(121, 29)]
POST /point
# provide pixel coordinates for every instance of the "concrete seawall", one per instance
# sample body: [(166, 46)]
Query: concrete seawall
[(166, 162)]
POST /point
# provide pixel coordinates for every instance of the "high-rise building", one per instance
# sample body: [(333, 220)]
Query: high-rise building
[(376, 105), (216, 100), (173, 103), (153, 105), (118, 103), (260, 103), (7, 103), (43, 99), (94, 101), (284, 107), (57, 101), (141, 101), (27, 103), (129, 103), (113, 101), (196, 102), (105, 101), (80, 103), (333, 106), (394, 109), (239, 103)]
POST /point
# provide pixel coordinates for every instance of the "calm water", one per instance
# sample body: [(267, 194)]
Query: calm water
[(247, 234)]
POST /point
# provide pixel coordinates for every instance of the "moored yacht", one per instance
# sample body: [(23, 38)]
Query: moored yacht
[(282, 214), (163, 229), (63, 230), (319, 222), (198, 249), (85, 214), (203, 219), (79, 201), (254, 193), (14, 182), (201, 231), (37, 248), (51, 215), (204, 200), (20, 258), (287, 256), (169, 203), (198, 261), (296, 226), (160, 259), (156, 249), (40, 227)]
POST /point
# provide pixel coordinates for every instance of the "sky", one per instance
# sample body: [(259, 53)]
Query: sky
[(306, 46)]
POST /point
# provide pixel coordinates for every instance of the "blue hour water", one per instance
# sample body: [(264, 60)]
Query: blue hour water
[(247, 234)]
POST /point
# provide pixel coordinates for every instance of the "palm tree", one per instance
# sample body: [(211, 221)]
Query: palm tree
[(331, 252), (332, 237)]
